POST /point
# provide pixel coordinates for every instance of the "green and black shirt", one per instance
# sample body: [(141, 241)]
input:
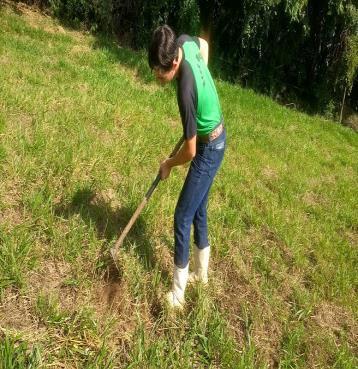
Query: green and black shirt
[(198, 100)]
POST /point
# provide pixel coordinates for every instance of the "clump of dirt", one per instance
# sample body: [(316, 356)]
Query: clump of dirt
[(110, 290), (111, 297)]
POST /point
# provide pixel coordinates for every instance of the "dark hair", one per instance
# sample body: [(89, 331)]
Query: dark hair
[(163, 49)]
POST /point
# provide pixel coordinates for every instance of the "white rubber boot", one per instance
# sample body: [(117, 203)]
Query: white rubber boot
[(175, 298), (201, 265)]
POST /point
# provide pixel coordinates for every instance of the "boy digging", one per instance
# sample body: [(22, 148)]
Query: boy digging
[(185, 59)]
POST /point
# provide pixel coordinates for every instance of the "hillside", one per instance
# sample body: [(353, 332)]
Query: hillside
[(83, 127)]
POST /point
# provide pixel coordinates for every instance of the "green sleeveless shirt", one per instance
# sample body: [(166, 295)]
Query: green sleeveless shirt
[(197, 95)]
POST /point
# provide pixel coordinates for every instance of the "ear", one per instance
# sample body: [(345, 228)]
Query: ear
[(176, 60)]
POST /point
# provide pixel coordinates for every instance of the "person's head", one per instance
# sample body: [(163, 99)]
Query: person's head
[(163, 54)]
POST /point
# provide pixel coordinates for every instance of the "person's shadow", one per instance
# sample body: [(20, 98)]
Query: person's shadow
[(109, 221)]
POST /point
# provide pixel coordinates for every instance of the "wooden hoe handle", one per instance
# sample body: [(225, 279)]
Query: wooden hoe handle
[(115, 248)]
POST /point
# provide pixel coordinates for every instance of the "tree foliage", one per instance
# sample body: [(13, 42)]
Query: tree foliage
[(302, 48)]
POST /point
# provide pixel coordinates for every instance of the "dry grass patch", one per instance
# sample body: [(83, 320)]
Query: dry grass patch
[(270, 240), (310, 198), (5, 60), (107, 196), (327, 180), (38, 19), (16, 313), (251, 312), (326, 330), (163, 256), (352, 236), (17, 309), (335, 321), (12, 212), (250, 315), (80, 49), (21, 124), (64, 306), (49, 277), (270, 173), (11, 217)]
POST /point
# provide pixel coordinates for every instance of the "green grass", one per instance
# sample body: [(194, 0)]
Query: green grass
[(83, 127)]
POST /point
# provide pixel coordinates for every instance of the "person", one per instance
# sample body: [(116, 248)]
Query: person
[(185, 59)]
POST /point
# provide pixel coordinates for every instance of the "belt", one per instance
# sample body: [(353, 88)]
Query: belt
[(216, 132)]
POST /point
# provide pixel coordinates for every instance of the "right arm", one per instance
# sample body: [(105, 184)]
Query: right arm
[(185, 154), (187, 102)]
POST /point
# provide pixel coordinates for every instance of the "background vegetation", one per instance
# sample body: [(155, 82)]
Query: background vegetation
[(302, 52), (83, 128)]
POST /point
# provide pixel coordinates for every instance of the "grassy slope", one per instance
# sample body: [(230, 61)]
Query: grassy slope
[(82, 130)]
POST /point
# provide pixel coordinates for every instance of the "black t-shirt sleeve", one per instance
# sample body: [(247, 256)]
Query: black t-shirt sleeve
[(196, 40), (187, 100), (181, 39)]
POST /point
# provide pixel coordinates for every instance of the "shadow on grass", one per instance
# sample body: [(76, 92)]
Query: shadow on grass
[(117, 50), (109, 222), (124, 55)]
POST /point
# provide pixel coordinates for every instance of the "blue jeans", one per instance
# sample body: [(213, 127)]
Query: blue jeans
[(193, 199)]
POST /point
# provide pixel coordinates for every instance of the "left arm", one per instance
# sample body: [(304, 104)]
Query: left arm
[(204, 50)]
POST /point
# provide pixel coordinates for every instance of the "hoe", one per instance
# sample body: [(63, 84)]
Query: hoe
[(114, 250)]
